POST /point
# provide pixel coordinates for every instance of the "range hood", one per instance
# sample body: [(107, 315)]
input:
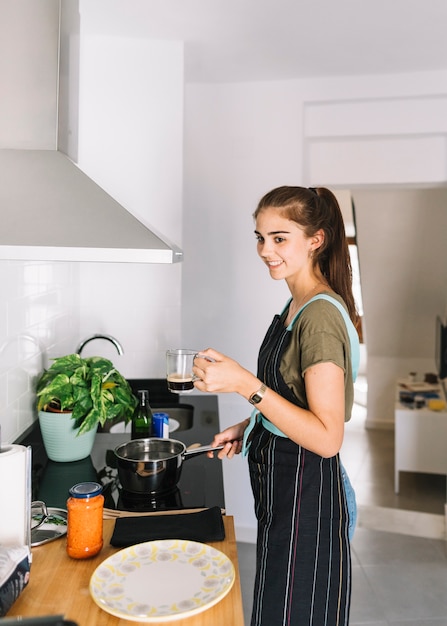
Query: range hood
[(49, 208), (52, 211)]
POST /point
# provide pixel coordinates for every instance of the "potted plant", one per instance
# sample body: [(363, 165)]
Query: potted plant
[(76, 395)]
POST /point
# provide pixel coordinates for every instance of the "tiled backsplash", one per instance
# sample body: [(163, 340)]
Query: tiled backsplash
[(39, 318)]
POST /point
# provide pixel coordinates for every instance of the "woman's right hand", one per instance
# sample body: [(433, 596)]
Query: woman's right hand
[(231, 438)]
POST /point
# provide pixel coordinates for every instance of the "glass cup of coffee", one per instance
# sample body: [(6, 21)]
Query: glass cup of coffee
[(179, 364)]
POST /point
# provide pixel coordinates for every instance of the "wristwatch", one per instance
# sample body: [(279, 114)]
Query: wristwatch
[(257, 396)]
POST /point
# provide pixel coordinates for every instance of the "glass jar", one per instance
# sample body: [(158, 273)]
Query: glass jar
[(84, 522)]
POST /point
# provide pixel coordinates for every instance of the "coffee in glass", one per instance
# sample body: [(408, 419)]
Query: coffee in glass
[(179, 374)]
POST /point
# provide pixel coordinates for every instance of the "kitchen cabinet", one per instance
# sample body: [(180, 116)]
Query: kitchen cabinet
[(420, 440)]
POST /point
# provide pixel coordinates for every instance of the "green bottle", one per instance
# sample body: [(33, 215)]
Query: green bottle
[(142, 418)]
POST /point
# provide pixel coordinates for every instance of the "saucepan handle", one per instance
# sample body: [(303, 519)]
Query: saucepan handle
[(200, 450)]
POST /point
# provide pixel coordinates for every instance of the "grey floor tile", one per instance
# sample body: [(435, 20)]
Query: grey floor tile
[(363, 623), (247, 563), (365, 607), (372, 547), (425, 622), (412, 592)]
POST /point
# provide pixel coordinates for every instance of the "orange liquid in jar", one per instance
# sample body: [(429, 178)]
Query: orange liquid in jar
[(84, 521)]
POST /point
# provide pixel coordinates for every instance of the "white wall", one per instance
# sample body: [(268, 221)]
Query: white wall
[(242, 140), (403, 257), (125, 110), (391, 138), (234, 135), (39, 302), (123, 117), (38, 321), (28, 74)]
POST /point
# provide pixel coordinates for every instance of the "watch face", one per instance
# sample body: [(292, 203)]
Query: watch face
[(255, 398), (258, 395)]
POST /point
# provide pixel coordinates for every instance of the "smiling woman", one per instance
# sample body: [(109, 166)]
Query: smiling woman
[(302, 396)]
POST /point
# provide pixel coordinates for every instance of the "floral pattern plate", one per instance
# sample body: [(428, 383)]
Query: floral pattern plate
[(161, 581)]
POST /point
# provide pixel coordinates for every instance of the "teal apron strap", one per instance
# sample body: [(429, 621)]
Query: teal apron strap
[(247, 432), (352, 332), (355, 361)]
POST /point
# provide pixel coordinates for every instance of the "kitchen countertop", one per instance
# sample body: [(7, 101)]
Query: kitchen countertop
[(59, 585)]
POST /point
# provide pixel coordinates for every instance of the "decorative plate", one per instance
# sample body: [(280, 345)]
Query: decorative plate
[(161, 581)]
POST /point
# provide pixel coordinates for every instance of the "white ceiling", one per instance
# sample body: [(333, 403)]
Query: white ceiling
[(243, 40)]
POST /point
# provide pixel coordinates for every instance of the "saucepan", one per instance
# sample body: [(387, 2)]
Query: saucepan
[(153, 465)]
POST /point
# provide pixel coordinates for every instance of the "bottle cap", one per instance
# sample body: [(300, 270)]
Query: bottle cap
[(85, 490)]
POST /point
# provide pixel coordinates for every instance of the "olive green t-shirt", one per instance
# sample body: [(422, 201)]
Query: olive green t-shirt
[(319, 335)]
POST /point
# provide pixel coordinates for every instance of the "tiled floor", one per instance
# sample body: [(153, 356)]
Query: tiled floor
[(399, 553)]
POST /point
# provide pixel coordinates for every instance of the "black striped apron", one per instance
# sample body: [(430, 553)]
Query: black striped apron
[(303, 564)]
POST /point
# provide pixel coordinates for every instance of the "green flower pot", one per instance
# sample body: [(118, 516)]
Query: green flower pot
[(61, 440)]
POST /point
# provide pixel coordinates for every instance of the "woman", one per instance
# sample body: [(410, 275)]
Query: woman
[(302, 394)]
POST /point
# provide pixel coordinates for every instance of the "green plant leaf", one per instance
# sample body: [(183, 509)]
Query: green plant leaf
[(91, 388)]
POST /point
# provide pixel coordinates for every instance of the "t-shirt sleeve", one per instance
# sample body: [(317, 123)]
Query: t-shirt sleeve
[(318, 336), (322, 340)]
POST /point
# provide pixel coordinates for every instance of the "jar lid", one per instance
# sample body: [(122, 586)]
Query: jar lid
[(85, 490), (160, 415)]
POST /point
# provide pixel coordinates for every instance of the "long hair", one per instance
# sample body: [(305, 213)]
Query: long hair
[(317, 209)]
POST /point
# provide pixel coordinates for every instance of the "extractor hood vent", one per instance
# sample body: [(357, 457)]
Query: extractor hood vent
[(52, 211)]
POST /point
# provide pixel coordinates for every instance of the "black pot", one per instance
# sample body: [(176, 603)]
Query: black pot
[(153, 465)]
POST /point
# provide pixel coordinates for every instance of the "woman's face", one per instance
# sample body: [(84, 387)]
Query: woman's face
[(282, 244)]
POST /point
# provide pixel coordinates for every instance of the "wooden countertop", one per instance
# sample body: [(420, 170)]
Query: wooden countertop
[(59, 585)]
